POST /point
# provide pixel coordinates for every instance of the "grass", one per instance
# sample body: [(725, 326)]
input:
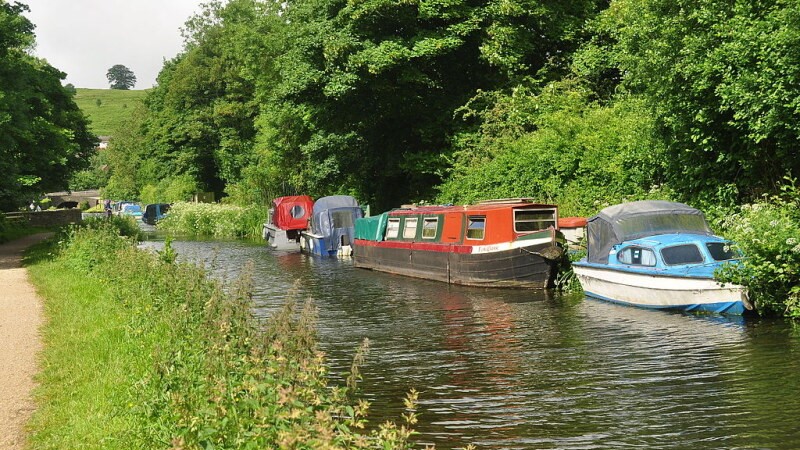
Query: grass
[(113, 108), (141, 352)]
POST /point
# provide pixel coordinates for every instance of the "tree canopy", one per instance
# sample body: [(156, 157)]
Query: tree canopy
[(43, 135), (120, 77), (398, 101)]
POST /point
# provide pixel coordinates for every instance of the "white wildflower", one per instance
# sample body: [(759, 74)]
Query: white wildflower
[(791, 241)]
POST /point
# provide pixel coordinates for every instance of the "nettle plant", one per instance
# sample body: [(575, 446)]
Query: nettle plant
[(768, 233)]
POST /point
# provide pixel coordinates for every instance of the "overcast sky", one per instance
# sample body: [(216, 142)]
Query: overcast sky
[(84, 38)]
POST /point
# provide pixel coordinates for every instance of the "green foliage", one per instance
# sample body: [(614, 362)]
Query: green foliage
[(111, 114), (367, 90), (43, 134), (214, 220), (176, 361), (85, 247), (558, 147), (721, 79), (120, 77), (170, 190), (768, 233)]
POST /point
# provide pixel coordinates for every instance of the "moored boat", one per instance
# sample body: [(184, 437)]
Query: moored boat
[(658, 254), (288, 217), (330, 232), (155, 212), (497, 243)]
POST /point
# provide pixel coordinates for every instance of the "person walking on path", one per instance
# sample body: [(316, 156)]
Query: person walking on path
[(21, 315)]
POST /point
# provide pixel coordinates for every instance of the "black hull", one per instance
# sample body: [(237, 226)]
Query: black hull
[(517, 268)]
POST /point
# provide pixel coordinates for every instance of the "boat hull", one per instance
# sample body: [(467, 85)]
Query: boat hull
[(662, 291), (278, 239), (518, 267)]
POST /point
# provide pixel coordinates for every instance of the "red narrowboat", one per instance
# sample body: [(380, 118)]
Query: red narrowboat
[(495, 243)]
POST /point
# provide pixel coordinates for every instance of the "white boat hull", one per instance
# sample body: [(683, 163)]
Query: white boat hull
[(662, 292)]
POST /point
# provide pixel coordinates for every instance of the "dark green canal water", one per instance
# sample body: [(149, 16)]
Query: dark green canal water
[(521, 369)]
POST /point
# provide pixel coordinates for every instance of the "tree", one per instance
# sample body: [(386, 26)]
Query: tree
[(44, 137), (723, 81), (121, 77)]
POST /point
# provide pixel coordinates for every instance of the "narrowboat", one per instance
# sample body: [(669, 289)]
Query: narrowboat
[(658, 254), (330, 232), (287, 218), (155, 212), (495, 243)]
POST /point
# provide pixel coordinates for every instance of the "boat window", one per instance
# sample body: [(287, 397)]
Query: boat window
[(682, 254), (526, 220), (723, 251), (393, 229), (297, 212), (476, 227), (410, 228), (342, 219), (429, 227), (637, 256)]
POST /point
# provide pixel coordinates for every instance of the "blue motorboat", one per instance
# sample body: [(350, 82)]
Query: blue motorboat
[(658, 254), (332, 226), (154, 212)]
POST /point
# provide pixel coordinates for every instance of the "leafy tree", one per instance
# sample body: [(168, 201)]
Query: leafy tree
[(368, 90), (120, 77), (722, 79), (44, 137)]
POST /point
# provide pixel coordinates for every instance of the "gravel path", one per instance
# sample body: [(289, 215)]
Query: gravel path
[(20, 318)]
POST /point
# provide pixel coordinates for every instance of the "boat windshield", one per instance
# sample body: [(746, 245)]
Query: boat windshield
[(682, 254), (723, 251)]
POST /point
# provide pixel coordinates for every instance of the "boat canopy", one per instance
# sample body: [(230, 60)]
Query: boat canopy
[(334, 217), (372, 228), (292, 212), (635, 220)]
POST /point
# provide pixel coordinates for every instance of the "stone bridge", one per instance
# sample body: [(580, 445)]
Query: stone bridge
[(73, 198)]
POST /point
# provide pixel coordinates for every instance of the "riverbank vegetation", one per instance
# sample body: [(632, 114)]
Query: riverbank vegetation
[(214, 220), (153, 354)]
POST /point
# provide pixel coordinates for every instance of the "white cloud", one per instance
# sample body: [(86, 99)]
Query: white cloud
[(84, 38)]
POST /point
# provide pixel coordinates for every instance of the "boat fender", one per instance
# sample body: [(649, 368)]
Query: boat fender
[(552, 253), (746, 300)]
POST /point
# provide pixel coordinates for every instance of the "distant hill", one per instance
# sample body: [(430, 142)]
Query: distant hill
[(114, 106)]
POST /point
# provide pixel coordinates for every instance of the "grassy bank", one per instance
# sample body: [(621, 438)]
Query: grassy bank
[(141, 352), (107, 108)]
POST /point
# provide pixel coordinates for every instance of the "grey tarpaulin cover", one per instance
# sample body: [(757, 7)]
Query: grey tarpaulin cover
[(634, 220), (334, 217)]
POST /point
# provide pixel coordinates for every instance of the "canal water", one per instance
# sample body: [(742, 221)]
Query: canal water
[(521, 369)]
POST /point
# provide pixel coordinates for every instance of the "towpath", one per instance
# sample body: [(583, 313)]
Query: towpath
[(21, 315)]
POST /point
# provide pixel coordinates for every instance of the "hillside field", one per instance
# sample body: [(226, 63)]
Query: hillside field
[(114, 106)]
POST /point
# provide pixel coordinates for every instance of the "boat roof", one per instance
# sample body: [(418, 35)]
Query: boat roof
[(334, 201), (634, 220), (487, 205)]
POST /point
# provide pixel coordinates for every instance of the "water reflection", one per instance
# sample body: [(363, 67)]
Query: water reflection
[(518, 369)]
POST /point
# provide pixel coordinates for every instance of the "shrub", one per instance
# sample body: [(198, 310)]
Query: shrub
[(768, 233), (214, 220)]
